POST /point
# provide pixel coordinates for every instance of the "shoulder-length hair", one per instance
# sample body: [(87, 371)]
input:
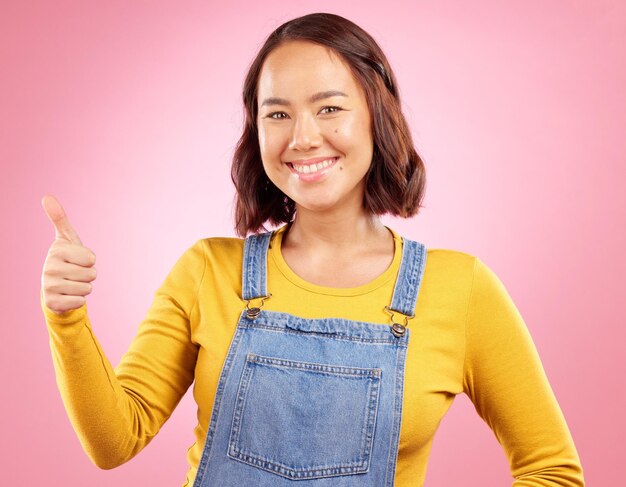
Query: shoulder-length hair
[(396, 179)]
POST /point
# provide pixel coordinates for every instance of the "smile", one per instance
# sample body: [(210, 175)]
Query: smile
[(312, 168)]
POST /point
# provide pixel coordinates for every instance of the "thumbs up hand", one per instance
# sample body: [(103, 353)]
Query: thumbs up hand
[(69, 266)]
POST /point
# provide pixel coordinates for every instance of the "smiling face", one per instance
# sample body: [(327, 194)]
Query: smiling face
[(314, 127)]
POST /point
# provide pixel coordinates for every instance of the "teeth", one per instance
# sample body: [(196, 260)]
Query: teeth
[(309, 168)]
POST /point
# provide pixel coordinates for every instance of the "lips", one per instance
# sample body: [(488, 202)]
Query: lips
[(314, 171), (313, 166)]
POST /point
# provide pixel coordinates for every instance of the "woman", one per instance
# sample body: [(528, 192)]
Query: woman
[(326, 351)]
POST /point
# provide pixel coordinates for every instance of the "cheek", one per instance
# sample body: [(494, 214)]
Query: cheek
[(271, 142), (262, 138), (352, 136)]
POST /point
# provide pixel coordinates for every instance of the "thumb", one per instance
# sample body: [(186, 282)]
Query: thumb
[(56, 214)]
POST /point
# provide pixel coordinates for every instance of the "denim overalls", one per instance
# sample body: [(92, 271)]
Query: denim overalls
[(309, 401)]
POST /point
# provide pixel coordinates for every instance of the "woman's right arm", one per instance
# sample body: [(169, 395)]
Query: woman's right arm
[(117, 411)]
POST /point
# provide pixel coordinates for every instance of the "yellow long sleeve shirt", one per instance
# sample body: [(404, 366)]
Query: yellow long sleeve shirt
[(467, 336)]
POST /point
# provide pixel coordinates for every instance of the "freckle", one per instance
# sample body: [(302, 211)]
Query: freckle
[(336, 130)]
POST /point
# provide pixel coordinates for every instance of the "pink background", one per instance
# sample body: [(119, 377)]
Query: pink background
[(128, 112)]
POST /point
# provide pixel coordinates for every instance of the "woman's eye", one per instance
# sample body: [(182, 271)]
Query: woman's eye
[(335, 109), (271, 115)]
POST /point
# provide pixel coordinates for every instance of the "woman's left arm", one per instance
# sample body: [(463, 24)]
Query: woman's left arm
[(504, 378)]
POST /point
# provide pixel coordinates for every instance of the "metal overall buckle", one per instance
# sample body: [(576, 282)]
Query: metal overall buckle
[(256, 310), (398, 329)]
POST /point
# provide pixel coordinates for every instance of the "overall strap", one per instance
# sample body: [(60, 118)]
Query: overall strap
[(254, 275), (409, 278)]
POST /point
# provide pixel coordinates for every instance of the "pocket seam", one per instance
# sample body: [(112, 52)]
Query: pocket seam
[(372, 393)]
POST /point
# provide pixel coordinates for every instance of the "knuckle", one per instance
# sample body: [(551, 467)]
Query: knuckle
[(53, 287), (53, 251), (51, 304), (59, 255), (49, 270), (57, 246)]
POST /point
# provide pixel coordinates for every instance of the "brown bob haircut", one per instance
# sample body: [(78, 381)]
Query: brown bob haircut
[(396, 179)]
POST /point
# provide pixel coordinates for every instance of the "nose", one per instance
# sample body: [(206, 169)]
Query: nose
[(305, 134)]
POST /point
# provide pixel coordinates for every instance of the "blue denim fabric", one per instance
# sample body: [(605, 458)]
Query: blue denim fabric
[(316, 401)]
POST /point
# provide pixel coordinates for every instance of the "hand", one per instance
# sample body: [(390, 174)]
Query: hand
[(69, 266)]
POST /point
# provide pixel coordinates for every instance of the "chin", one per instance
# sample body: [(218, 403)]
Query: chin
[(317, 205)]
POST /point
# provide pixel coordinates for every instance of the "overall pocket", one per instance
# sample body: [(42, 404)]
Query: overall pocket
[(303, 420)]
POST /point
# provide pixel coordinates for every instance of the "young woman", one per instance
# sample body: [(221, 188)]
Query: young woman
[(328, 350)]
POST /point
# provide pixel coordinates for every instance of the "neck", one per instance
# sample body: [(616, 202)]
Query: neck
[(336, 232)]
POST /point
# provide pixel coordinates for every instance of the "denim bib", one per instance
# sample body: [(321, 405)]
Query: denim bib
[(309, 401)]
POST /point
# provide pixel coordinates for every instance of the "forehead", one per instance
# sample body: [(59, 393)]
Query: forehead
[(298, 68)]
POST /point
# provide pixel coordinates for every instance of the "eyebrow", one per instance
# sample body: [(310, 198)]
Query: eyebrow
[(316, 97)]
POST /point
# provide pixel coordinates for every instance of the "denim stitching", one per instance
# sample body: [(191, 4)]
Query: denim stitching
[(362, 464)]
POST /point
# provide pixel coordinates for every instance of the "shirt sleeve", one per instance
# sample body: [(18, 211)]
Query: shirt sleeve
[(117, 411), (505, 380)]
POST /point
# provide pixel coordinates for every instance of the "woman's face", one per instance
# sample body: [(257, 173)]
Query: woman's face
[(314, 127)]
